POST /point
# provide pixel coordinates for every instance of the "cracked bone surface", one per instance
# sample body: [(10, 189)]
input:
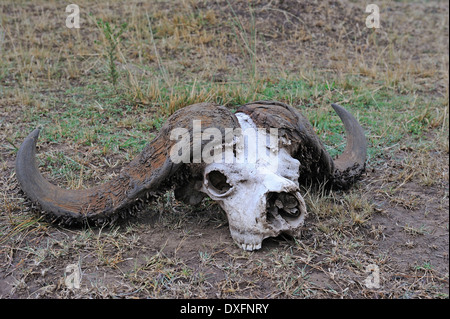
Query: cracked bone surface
[(259, 192)]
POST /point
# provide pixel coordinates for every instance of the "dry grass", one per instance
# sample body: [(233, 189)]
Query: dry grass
[(305, 53)]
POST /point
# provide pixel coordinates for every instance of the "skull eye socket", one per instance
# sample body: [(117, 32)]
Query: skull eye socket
[(218, 182)]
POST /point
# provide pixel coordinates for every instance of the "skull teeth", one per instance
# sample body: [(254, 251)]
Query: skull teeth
[(251, 247)]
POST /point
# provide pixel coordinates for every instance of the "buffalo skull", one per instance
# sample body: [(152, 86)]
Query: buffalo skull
[(259, 192)]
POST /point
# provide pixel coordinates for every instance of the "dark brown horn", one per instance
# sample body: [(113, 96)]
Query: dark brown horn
[(352, 162), (152, 171), (315, 162)]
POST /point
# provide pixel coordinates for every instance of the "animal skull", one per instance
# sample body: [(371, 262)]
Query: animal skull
[(259, 193), (259, 190)]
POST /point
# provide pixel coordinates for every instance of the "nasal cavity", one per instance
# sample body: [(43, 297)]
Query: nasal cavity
[(283, 203)]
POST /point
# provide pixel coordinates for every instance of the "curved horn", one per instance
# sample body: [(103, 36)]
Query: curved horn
[(152, 171), (352, 162), (315, 162)]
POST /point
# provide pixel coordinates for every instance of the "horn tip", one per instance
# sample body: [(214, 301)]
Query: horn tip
[(337, 107), (35, 133)]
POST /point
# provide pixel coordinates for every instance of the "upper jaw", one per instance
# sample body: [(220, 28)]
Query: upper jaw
[(251, 247), (247, 241), (251, 239)]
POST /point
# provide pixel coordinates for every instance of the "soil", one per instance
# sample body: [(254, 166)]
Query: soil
[(407, 238)]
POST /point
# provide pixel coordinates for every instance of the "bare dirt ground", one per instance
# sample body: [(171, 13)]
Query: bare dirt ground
[(392, 226)]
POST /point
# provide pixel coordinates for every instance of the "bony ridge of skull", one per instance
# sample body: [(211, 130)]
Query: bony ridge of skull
[(260, 194)]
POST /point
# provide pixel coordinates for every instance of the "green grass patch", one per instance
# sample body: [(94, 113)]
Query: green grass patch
[(98, 115)]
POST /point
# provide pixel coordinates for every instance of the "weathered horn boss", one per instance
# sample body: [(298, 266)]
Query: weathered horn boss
[(250, 162)]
